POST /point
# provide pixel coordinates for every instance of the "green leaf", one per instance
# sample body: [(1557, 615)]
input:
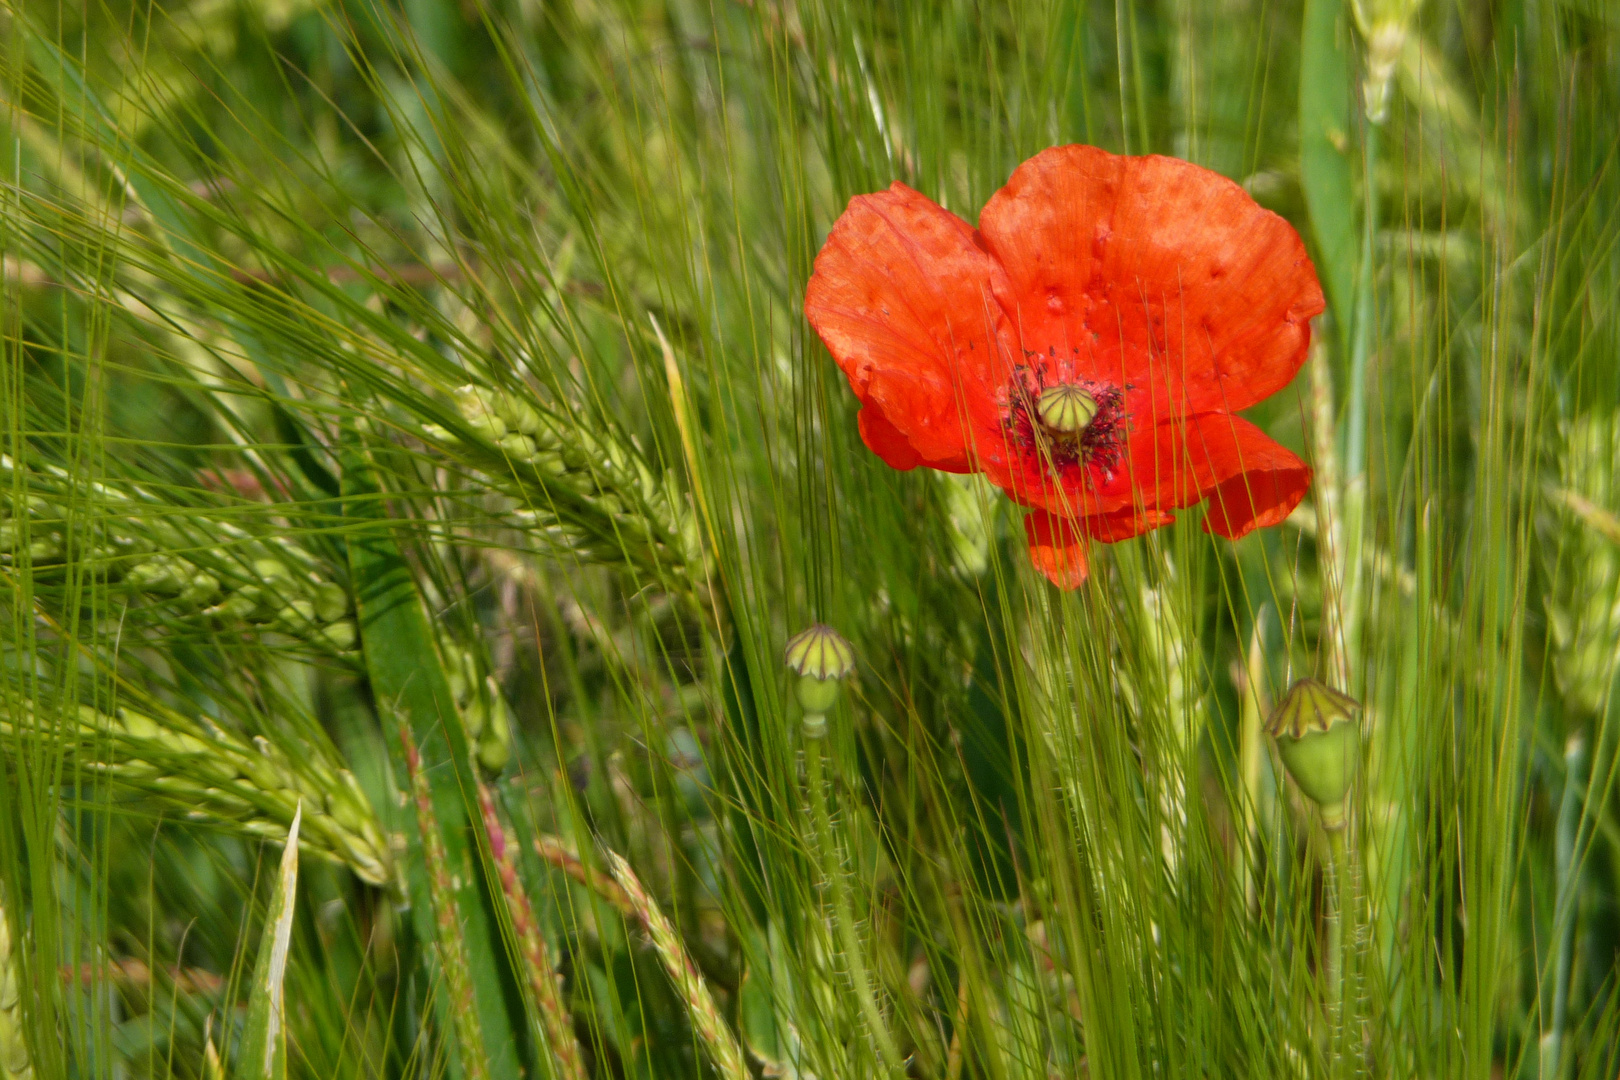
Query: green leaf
[(410, 688), (1324, 155), (264, 1040)]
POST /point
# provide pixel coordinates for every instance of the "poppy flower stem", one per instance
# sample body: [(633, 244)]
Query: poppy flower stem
[(1338, 868), (832, 869)]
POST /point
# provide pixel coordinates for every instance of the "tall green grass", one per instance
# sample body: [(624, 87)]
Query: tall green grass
[(513, 653)]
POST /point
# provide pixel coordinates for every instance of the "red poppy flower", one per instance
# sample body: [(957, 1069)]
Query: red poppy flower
[(1086, 348)]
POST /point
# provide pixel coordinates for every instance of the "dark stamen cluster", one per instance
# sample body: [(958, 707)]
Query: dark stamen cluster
[(1068, 457)]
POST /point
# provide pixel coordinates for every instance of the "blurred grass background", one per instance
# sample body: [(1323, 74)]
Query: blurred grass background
[(410, 424)]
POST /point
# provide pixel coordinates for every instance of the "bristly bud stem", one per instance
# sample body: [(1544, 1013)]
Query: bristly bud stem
[(822, 659), (1319, 742)]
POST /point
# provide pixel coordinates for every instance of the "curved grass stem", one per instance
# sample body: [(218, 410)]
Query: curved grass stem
[(1354, 497)]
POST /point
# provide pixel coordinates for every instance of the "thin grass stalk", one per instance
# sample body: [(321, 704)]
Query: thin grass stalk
[(1250, 751), (448, 945), (1352, 572), (1567, 871), (953, 1056), (544, 978), (710, 1025)]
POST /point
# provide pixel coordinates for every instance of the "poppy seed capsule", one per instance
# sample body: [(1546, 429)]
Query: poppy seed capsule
[(1066, 409), (821, 658), (1318, 739)]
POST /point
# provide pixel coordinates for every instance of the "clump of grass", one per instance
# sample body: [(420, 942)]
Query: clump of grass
[(491, 322), (15, 1060)]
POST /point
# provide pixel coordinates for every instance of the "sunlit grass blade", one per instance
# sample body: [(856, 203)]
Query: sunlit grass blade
[(263, 1052), (414, 700)]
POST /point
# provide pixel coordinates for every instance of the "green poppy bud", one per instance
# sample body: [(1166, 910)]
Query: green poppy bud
[(821, 658), (1066, 409), (1318, 739)]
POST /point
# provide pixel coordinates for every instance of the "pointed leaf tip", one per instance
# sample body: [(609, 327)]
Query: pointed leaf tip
[(264, 1038)]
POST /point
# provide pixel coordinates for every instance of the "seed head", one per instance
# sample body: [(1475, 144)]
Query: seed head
[(1317, 737), (1066, 409), (821, 658)]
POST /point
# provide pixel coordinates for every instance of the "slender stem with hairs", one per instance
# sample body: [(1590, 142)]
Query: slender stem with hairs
[(1338, 896), (843, 917)]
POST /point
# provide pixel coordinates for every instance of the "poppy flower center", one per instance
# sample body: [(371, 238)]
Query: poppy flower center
[(1070, 429), (1066, 409)]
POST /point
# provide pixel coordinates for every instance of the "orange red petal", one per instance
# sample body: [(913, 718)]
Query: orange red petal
[(901, 296), (1158, 274), (1149, 279), (1057, 544), (1251, 481), (885, 440), (1057, 548)]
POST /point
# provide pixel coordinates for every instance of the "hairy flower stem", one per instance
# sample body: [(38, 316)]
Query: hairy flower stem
[(450, 947), (832, 869), (1338, 876), (543, 977)]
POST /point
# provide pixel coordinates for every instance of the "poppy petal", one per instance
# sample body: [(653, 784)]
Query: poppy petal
[(885, 440), (1257, 481), (1057, 544), (1154, 272), (901, 296), (1124, 524), (1057, 548), (889, 443)]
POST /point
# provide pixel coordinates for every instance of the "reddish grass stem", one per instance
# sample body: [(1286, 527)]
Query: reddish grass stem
[(450, 948), (542, 971)]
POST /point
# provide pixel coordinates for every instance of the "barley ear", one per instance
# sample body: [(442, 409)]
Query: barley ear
[(711, 1027), (448, 945), (544, 979)]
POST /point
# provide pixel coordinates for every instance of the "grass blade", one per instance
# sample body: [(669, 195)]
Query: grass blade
[(413, 693), (264, 1040), (1324, 155)]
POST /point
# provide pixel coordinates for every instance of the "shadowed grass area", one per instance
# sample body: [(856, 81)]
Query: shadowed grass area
[(410, 422)]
